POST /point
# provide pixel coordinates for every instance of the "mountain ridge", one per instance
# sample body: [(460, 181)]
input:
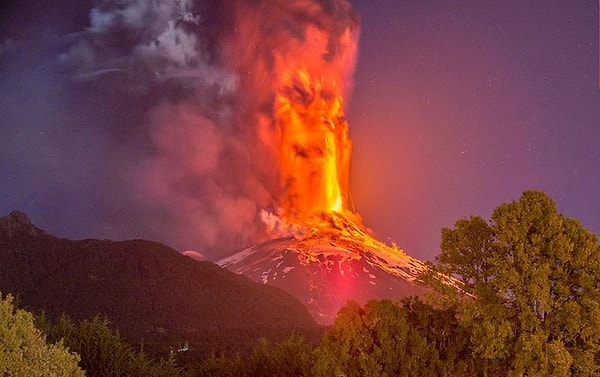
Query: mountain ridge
[(143, 287)]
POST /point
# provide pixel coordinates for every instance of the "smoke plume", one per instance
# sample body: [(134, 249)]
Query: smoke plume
[(169, 110)]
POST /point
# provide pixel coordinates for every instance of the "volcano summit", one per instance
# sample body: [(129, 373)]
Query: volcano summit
[(329, 264)]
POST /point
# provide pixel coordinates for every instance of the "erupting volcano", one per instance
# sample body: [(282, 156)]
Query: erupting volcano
[(328, 263), (319, 250)]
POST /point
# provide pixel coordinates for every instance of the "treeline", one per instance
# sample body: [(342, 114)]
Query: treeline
[(382, 338)]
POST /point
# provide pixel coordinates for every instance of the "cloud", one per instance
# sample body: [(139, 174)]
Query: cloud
[(194, 255)]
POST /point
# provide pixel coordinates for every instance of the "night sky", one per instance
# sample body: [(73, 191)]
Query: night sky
[(456, 108)]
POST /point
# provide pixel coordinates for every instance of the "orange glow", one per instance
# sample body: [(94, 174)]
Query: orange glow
[(314, 148)]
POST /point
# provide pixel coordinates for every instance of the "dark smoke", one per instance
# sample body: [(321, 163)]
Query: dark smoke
[(142, 118)]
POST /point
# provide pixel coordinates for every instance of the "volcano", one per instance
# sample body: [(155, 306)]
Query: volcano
[(327, 265), (319, 250)]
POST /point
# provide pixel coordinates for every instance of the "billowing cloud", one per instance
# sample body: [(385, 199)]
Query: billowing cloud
[(162, 115)]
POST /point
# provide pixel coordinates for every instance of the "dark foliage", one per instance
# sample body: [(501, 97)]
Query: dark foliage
[(104, 352)]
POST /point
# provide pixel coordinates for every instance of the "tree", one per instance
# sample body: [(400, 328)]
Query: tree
[(104, 352), (23, 347), (535, 279), (467, 251), (444, 334), (377, 340), (291, 357), (410, 338)]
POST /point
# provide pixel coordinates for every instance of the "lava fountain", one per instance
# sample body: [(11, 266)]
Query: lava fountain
[(309, 133), (318, 249), (315, 147)]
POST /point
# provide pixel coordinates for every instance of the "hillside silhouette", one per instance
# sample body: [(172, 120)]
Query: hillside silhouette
[(149, 291)]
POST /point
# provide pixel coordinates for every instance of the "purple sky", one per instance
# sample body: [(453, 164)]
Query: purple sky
[(460, 106), (457, 107)]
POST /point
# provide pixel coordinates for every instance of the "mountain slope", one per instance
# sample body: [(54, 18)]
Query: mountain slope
[(329, 265), (143, 287)]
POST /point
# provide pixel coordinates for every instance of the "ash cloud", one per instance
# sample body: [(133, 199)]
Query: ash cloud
[(146, 119)]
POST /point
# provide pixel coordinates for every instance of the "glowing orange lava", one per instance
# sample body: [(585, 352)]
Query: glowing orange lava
[(314, 148)]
